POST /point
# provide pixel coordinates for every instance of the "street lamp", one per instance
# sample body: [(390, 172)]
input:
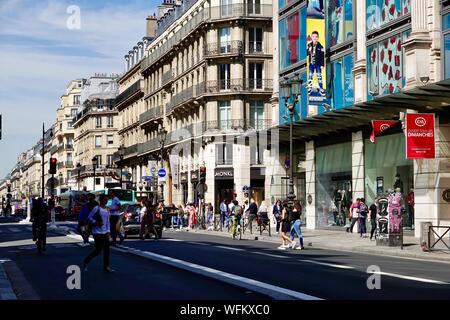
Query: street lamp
[(162, 134), (291, 92), (43, 153), (94, 164), (79, 173)]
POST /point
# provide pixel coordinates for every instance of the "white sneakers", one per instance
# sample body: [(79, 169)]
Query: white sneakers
[(283, 247)]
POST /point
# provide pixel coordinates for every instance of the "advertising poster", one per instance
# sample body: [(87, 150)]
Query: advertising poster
[(420, 132), (315, 52)]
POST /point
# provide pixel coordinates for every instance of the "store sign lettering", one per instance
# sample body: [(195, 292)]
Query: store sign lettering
[(420, 131), (224, 174)]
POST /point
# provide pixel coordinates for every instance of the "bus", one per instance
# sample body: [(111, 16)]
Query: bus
[(69, 205), (125, 196)]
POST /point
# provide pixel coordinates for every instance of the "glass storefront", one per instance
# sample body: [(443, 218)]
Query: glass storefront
[(292, 39), (333, 183), (386, 169), (446, 35)]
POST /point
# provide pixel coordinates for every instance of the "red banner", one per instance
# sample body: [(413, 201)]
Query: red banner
[(420, 136), (378, 126)]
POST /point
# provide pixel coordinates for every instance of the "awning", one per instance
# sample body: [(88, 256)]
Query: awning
[(427, 98)]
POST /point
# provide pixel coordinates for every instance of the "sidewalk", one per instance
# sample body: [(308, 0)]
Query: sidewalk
[(349, 242)]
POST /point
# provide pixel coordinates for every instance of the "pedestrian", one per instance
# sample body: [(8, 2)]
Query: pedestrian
[(363, 212), (276, 211), (143, 219), (192, 217), (180, 222), (262, 213), (354, 214), (114, 209), (252, 213), (223, 212), (296, 227), (100, 221), (285, 228), (210, 216), (373, 217), (410, 201), (83, 223), (39, 217)]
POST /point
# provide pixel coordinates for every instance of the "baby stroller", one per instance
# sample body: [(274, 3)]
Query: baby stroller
[(263, 223)]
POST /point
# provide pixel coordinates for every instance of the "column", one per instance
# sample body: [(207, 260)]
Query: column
[(417, 46), (358, 177), (310, 175), (241, 165), (359, 69)]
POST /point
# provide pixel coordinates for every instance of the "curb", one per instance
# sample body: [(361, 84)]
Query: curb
[(378, 252)]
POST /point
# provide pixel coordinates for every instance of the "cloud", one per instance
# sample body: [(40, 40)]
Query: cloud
[(39, 55)]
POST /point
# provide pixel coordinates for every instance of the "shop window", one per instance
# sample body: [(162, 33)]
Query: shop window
[(446, 35), (385, 66), (340, 21), (293, 39), (380, 12), (340, 83)]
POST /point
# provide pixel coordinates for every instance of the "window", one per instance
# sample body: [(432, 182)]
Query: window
[(256, 151), (110, 121), (110, 140), (76, 100), (446, 34), (380, 12), (255, 40), (109, 160), (73, 113), (254, 6), (98, 141), (224, 76), (69, 157), (99, 161), (256, 115), (70, 125), (98, 122), (385, 66), (340, 82), (97, 181), (226, 8), (292, 44), (225, 40), (224, 115), (224, 153), (340, 21), (69, 142), (255, 75)]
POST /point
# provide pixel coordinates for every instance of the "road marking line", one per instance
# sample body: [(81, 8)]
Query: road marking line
[(199, 243), (29, 228), (175, 240), (411, 278), (270, 255), (235, 280), (14, 229), (6, 291), (229, 248), (328, 264)]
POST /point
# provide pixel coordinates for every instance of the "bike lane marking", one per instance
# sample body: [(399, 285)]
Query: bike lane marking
[(339, 266), (270, 290), (229, 248), (399, 276), (271, 255)]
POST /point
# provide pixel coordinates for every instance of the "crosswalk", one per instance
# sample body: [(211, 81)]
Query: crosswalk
[(10, 230)]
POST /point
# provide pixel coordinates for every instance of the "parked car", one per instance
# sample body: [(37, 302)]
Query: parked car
[(132, 222)]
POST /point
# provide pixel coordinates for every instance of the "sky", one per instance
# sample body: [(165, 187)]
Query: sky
[(43, 45)]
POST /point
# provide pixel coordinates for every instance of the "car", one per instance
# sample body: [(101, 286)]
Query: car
[(132, 222)]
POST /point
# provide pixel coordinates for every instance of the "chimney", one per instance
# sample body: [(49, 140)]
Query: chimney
[(165, 7), (152, 26)]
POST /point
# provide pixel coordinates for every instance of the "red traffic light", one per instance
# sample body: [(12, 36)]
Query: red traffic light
[(202, 169), (53, 160), (52, 166)]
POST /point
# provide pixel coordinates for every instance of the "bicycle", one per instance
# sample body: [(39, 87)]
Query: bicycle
[(237, 228)]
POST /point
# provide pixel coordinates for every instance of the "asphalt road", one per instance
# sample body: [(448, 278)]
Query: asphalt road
[(323, 274)]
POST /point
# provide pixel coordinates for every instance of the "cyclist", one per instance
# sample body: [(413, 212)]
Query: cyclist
[(236, 216), (39, 217)]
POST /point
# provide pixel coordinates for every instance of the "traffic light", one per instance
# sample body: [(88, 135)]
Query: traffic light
[(52, 166), (202, 174)]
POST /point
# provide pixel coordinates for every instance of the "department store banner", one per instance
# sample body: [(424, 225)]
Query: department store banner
[(315, 50), (420, 131)]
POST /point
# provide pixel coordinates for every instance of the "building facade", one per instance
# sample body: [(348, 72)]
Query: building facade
[(383, 59), (207, 81), (96, 135)]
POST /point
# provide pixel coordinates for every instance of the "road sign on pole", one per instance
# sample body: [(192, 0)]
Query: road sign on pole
[(162, 173)]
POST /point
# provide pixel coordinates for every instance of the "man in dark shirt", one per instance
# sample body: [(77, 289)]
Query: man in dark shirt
[(373, 217), (252, 212)]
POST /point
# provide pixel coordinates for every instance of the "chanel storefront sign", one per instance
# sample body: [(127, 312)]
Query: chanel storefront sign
[(223, 174)]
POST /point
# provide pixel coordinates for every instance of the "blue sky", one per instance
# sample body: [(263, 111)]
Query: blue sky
[(39, 55)]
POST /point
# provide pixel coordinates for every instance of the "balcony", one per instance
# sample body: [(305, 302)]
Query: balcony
[(149, 146), (241, 10), (237, 124), (226, 48), (229, 85), (53, 149), (131, 150), (255, 47), (129, 92), (167, 78), (180, 98), (69, 164)]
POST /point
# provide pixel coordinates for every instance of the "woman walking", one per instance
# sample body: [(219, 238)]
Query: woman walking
[(354, 214), (143, 219), (192, 217), (99, 218), (373, 218), (277, 214), (363, 211), (285, 228), (296, 227), (180, 222)]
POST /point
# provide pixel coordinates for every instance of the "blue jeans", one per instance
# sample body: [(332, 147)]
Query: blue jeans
[(223, 217), (296, 229), (180, 222)]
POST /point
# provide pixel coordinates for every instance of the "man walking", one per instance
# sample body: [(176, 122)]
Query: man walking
[(114, 209), (252, 212), (223, 212)]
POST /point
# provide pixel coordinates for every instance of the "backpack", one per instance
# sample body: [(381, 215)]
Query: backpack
[(363, 209), (238, 210)]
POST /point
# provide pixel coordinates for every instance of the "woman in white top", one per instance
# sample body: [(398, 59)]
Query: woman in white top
[(142, 216), (99, 219)]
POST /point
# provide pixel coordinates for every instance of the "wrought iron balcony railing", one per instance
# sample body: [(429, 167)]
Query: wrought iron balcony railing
[(224, 48), (255, 47), (133, 89), (167, 77), (237, 124)]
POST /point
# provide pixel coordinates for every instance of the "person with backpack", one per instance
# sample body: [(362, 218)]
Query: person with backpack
[(363, 211), (99, 220), (236, 213)]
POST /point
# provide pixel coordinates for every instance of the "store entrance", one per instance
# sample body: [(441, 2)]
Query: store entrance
[(224, 190)]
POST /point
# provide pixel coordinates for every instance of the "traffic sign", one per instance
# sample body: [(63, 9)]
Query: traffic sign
[(161, 173), (147, 178), (153, 170)]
